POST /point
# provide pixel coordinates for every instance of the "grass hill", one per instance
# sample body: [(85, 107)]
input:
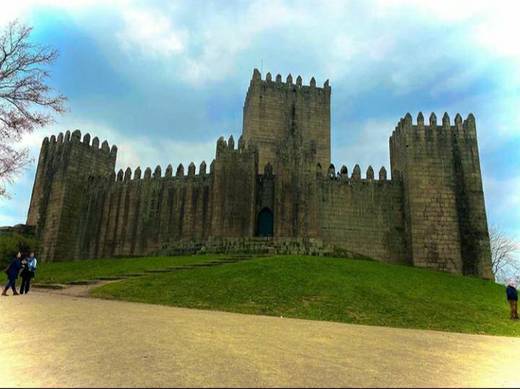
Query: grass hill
[(317, 288)]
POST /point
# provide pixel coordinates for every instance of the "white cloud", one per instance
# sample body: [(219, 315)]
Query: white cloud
[(145, 152), (224, 35), (507, 190), (493, 25), (503, 208), (21, 9), (369, 146), (206, 41), (133, 151), (151, 32)]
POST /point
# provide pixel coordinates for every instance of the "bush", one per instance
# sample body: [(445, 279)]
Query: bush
[(11, 243)]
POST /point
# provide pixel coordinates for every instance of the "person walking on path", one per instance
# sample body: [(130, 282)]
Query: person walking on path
[(12, 274), (28, 273), (512, 298)]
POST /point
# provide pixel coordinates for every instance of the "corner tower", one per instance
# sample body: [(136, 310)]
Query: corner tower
[(274, 110), (59, 194), (445, 215)]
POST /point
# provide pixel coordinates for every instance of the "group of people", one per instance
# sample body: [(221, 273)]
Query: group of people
[(22, 265)]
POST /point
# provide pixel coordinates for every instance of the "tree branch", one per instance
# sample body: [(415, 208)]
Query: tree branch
[(23, 87)]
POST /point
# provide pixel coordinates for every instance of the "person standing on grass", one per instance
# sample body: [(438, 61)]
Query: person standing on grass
[(512, 298), (28, 272), (12, 274)]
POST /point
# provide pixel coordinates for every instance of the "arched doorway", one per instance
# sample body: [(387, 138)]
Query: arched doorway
[(264, 226)]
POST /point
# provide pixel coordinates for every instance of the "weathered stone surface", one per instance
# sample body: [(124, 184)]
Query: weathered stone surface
[(445, 217), (273, 109), (278, 182)]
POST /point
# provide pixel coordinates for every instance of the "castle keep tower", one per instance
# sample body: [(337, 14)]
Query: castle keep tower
[(275, 109)]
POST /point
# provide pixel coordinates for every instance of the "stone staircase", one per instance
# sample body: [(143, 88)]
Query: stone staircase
[(250, 246)]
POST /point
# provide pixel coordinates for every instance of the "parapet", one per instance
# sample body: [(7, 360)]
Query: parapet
[(256, 79), (157, 173), (461, 128), (342, 175), (75, 138), (224, 147)]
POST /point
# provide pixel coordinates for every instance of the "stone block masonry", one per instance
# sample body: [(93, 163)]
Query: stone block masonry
[(275, 190), (445, 216)]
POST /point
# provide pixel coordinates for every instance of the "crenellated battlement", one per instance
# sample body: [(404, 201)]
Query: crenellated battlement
[(405, 128), (225, 148), (156, 174), (288, 85), (288, 81), (342, 174), (54, 142)]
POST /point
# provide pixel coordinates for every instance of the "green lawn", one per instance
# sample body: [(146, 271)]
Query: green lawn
[(88, 269), (351, 291)]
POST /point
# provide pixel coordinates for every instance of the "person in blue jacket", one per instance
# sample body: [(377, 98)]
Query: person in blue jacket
[(12, 274), (512, 298)]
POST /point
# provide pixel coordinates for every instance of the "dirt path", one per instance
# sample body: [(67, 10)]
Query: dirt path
[(74, 290), (50, 339)]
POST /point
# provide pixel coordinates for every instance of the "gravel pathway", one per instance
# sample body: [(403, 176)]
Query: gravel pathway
[(50, 339)]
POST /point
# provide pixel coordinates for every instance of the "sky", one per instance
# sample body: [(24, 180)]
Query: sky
[(164, 79)]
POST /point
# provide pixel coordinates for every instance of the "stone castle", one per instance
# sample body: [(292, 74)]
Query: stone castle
[(275, 188)]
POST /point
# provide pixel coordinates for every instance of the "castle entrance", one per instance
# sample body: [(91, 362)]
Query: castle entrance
[(265, 223)]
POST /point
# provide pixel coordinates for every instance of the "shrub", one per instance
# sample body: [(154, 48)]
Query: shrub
[(11, 243)]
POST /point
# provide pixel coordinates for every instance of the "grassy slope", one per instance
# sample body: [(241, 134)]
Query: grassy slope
[(341, 290), (58, 272)]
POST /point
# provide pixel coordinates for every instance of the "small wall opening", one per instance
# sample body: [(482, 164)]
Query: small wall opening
[(264, 226)]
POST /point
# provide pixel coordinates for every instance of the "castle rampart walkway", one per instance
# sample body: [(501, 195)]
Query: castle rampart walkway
[(56, 340)]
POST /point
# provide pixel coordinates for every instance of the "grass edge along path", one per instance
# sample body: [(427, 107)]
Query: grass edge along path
[(94, 269), (331, 289)]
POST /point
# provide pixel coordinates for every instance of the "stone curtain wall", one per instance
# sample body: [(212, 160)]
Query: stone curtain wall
[(272, 107), (363, 215), (121, 215), (445, 218), (137, 216)]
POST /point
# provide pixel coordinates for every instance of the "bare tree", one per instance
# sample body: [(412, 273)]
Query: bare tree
[(26, 101), (503, 250)]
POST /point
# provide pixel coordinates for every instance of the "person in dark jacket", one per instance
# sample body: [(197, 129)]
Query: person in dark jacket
[(512, 298), (12, 274), (24, 274), (28, 271)]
